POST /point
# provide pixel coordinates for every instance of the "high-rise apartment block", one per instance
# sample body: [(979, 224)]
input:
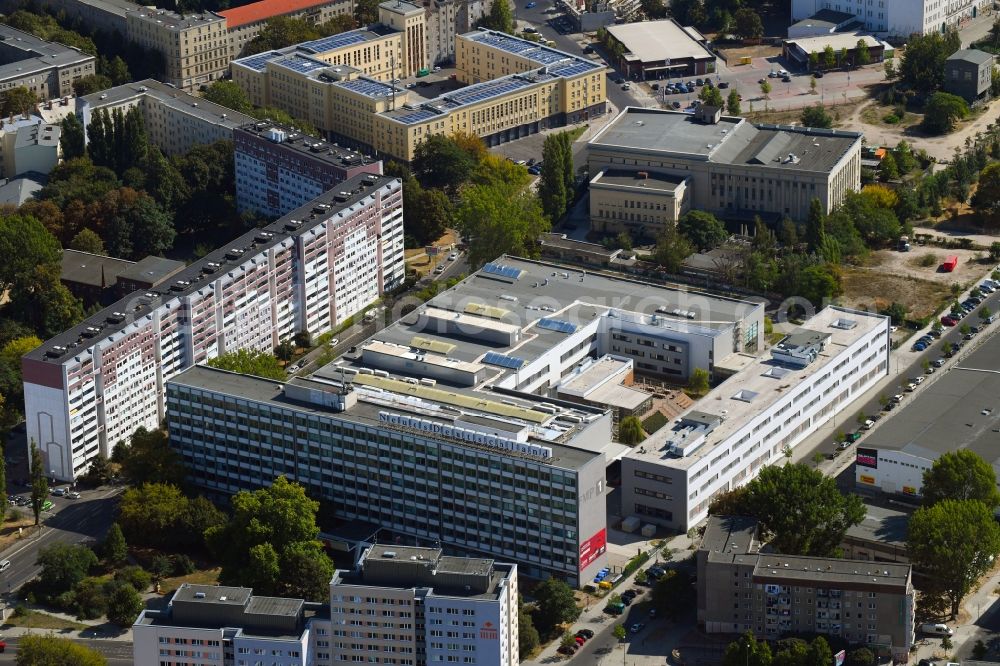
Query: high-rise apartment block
[(744, 588), (47, 69), (399, 605), (447, 609), (279, 169), (93, 385)]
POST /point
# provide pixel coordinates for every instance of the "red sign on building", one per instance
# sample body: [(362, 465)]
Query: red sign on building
[(488, 632), (593, 547)]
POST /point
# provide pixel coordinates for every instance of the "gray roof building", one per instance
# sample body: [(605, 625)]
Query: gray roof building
[(47, 69), (968, 73)]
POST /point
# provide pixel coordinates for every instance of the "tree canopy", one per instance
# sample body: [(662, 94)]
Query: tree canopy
[(439, 161), (801, 509), (747, 651), (251, 362), (922, 67), (942, 111), (49, 650), (500, 17), (816, 116), (64, 565), (953, 543), (961, 475), (554, 605), (630, 431), (986, 200), (703, 229), (148, 458), (272, 533)]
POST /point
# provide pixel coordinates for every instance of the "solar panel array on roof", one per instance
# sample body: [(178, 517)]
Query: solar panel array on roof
[(334, 42), (559, 325), (479, 92), (571, 68), (258, 62), (302, 64), (546, 57), (502, 360), (367, 87), (503, 271), (416, 116)]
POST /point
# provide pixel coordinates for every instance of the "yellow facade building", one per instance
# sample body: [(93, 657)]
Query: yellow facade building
[(195, 48), (516, 88)]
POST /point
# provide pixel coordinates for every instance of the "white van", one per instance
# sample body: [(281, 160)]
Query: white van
[(935, 629), (4, 565), (868, 424)]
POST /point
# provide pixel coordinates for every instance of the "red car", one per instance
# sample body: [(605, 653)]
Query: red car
[(948, 321)]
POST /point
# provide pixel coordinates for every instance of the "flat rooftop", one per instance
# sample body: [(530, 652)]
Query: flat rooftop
[(151, 269), (833, 571), (837, 40), (649, 180), (309, 147), (92, 269), (751, 391), (172, 20), (253, 243), (562, 242), (883, 525), (24, 53), (956, 409), (733, 140), (726, 536), (168, 96), (657, 41)]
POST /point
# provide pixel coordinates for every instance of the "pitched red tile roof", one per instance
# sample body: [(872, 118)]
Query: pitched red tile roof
[(265, 9)]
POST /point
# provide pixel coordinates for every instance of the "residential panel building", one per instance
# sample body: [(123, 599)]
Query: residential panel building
[(728, 165), (743, 588), (279, 169), (175, 121), (441, 609), (766, 408), (93, 385), (47, 69)]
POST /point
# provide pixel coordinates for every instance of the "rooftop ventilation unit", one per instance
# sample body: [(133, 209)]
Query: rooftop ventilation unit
[(845, 324), (389, 554)]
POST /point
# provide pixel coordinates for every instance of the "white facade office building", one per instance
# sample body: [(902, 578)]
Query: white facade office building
[(897, 18), (750, 420), (93, 385)]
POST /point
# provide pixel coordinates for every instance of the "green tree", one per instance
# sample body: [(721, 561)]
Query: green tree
[(152, 514), (64, 565), (985, 313), (630, 431), (500, 17), (71, 138), (896, 312), (227, 93), (816, 116), (672, 248), (124, 604), (813, 61), (44, 303), (279, 32), (819, 653), (922, 67), (250, 362), (953, 542), (136, 576), (698, 383), (711, 96), (115, 550), (733, 103), (961, 475), (137, 226), (747, 651), (19, 100), (552, 183), (815, 225), (25, 244), (748, 23), (366, 11), (39, 484), (673, 594), (889, 67), (942, 111), (284, 351), (812, 84), (432, 211), (90, 84), (271, 529), (619, 632), (979, 650), (842, 56), (88, 241), (986, 200), (887, 168), (149, 458), (49, 650), (765, 88), (802, 509), (554, 605), (567, 640), (862, 56), (500, 218), (527, 636), (829, 57), (703, 229), (819, 283), (860, 657), (439, 161)]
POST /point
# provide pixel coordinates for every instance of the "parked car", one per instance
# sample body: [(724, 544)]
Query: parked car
[(919, 347), (869, 424), (586, 633), (818, 74), (723, 84), (699, 82), (73, 495), (530, 5), (626, 86), (935, 629), (566, 649), (4, 565), (57, 492), (637, 627), (675, 104), (786, 79), (948, 321)]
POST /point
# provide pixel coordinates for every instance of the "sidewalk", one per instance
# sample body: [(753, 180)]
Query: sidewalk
[(593, 616)]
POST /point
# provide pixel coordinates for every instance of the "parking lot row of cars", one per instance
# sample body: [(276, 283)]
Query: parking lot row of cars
[(579, 639)]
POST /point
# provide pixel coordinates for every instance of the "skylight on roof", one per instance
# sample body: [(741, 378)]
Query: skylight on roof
[(745, 395), (845, 324), (776, 373)]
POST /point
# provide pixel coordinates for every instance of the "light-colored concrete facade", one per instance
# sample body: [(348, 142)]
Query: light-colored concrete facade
[(28, 144), (641, 203), (733, 167), (195, 47), (47, 69), (743, 589), (897, 18)]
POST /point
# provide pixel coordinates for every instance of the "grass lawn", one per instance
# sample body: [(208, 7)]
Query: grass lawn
[(866, 287), (199, 577), (33, 619)]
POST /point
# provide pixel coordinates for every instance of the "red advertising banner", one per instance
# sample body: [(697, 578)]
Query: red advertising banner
[(592, 548)]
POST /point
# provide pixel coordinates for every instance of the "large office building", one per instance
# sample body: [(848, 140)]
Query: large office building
[(472, 421), (723, 164), (342, 86), (398, 605), (246, 21), (195, 47), (47, 69), (449, 609), (765, 409), (279, 169), (175, 121), (953, 411), (93, 385), (743, 587), (898, 18)]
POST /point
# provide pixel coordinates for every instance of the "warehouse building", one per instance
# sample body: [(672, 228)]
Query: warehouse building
[(667, 162), (455, 423), (660, 50), (91, 386), (763, 410), (741, 587), (956, 411)]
